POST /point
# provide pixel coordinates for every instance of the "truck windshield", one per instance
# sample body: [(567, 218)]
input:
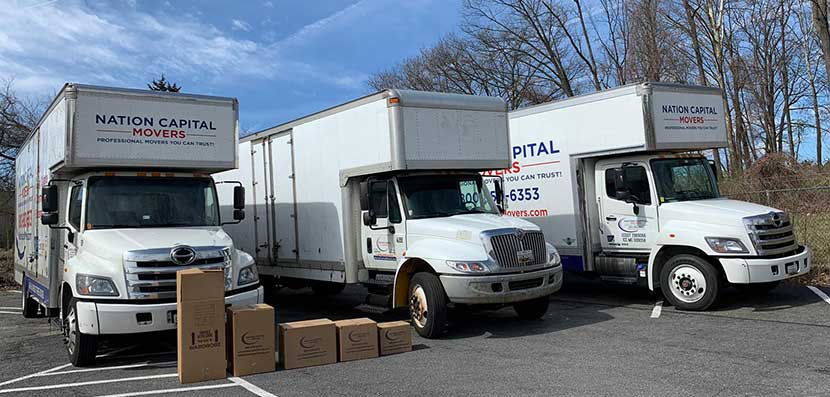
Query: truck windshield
[(135, 202), (684, 179), (429, 196)]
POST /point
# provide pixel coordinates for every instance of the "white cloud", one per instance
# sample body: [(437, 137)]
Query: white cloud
[(237, 24), (268, 4), (68, 41)]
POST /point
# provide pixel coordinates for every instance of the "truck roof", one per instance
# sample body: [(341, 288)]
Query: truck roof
[(408, 98)]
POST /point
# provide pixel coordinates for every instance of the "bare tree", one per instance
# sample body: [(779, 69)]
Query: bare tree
[(17, 119)]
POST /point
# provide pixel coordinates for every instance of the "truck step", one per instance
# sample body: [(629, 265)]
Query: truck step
[(619, 279), (372, 309)]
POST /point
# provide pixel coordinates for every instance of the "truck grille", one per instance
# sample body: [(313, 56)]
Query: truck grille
[(771, 234), (151, 274), (507, 246)]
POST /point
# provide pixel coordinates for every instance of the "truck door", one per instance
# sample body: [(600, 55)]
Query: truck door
[(72, 236), (627, 207), (383, 242)]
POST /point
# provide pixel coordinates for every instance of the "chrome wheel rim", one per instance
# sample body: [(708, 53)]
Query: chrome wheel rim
[(418, 306), (687, 283), (71, 321)]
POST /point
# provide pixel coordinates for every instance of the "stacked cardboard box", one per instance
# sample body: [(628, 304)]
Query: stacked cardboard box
[(251, 339), (200, 312)]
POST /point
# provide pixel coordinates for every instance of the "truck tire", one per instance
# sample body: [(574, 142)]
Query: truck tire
[(80, 347), (533, 309), (757, 289), (427, 305), (326, 288), (689, 282), (29, 307)]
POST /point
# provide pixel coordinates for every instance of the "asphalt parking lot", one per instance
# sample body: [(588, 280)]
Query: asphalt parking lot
[(595, 339)]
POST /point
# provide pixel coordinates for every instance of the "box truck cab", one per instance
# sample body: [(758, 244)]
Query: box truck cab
[(614, 180), (120, 181), (387, 191)]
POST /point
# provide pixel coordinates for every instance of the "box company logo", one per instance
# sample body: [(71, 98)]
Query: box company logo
[(309, 343), (251, 339), (394, 336), (152, 127), (357, 337)]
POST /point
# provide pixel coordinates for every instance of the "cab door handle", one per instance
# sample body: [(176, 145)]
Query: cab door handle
[(610, 218)]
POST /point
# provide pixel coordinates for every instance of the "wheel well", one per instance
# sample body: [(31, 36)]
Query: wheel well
[(66, 297), (673, 250), (410, 267)]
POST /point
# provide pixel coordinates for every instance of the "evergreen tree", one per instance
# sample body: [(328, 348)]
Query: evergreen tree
[(163, 85)]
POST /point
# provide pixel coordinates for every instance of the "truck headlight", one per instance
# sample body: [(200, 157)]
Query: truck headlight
[(726, 245), (89, 285), (468, 267), (553, 255), (247, 275)]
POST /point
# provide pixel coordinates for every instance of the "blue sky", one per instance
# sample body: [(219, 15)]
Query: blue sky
[(282, 59)]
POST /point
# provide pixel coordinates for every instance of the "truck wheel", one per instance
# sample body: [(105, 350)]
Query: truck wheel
[(427, 305), (29, 307), (81, 347), (689, 282), (326, 288), (533, 309), (757, 289)]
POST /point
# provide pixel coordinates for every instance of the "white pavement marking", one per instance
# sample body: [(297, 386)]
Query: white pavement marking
[(15, 291), (77, 384), (4, 312), (174, 390), (658, 308), (74, 371), (251, 387), (820, 293), (34, 374), (10, 308)]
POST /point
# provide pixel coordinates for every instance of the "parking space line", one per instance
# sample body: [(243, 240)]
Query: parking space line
[(820, 293), (15, 291), (173, 390), (658, 308), (5, 312), (10, 308), (93, 382), (46, 371), (74, 371), (251, 387)]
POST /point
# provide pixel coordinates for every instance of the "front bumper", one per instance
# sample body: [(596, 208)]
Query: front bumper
[(502, 288), (747, 270), (122, 318)]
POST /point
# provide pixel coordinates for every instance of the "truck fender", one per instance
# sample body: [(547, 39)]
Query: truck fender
[(406, 269)]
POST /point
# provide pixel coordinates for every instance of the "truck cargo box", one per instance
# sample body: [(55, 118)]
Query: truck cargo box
[(90, 126), (647, 117)]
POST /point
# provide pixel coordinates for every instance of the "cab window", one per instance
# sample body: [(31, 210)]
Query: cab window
[(630, 179), (76, 198)]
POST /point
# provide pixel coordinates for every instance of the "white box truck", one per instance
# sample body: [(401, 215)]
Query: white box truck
[(605, 177), (113, 196), (386, 191)]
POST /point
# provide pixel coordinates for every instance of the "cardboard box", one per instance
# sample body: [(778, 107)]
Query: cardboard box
[(395, 337), (250, 331), (356, 339), (200, 312), (308, 343)]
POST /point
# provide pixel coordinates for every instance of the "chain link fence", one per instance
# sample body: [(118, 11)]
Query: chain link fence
[(809, 209)]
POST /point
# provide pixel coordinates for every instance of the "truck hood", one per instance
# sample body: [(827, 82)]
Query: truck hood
[(465, 227), (715, 211), (112, 243)]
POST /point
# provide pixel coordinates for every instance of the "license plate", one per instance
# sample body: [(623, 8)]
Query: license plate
[(172, 317), (525, 256), (792, 268)]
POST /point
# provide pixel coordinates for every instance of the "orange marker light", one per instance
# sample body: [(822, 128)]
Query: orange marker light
[(672, 235), (393, 101), (141, 173), (109, 174)]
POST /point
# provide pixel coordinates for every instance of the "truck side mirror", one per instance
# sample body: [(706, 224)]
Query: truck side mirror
[(50, 199), (369, 218), (238, 199), (238, 215), (364, 196), (49, 218), (623, 195)]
